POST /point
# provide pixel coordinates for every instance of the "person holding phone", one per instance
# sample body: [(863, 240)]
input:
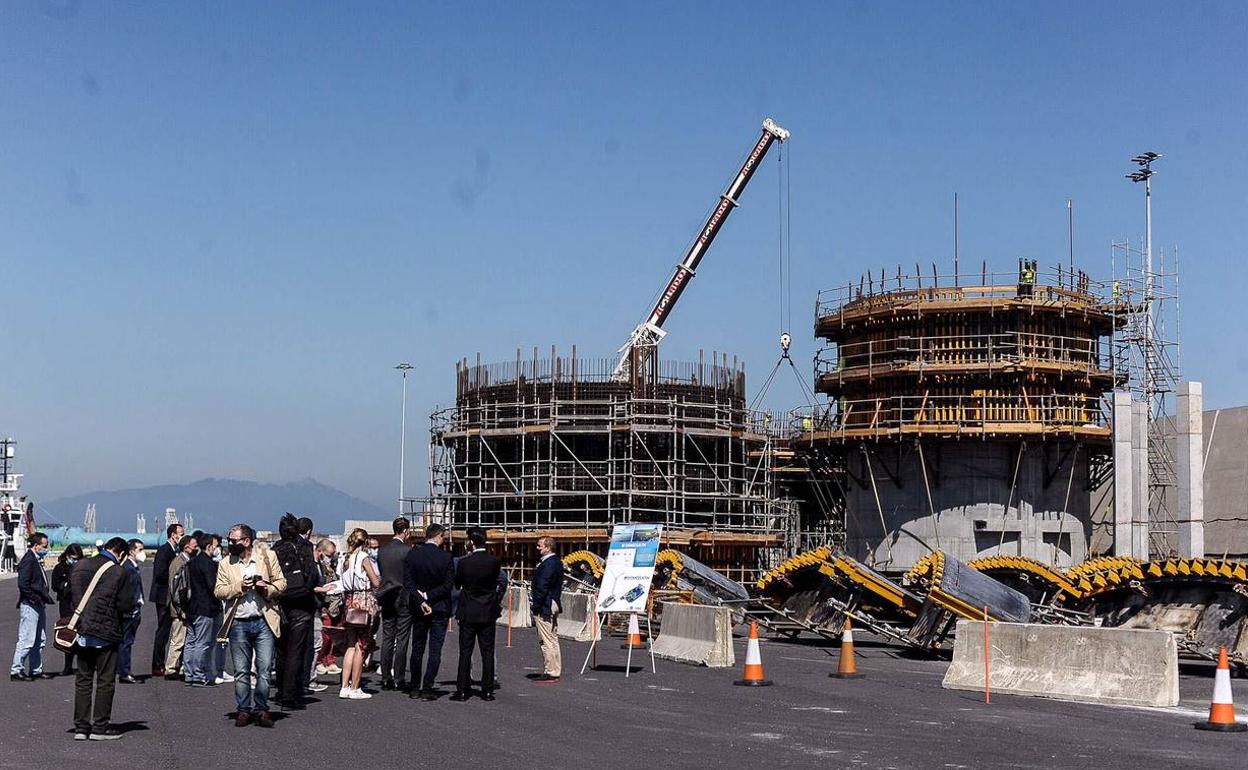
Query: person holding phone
[(249, 582)]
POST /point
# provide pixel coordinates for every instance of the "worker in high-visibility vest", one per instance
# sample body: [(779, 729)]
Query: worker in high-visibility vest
[(1115, 292), (808, 424), (1026, 279)]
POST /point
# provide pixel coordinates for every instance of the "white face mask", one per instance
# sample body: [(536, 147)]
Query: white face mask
[(140, 557)]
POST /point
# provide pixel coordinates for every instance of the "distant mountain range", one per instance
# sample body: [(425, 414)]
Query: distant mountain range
[(215, 504)]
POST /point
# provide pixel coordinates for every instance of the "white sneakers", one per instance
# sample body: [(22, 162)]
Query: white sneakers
[(317, 687), (224, 678), (334, 669), (350, 694), (321, 670)]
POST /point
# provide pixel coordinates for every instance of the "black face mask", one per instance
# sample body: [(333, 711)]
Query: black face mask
[(236, 549)]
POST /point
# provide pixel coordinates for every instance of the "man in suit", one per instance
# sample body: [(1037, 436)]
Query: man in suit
[(545, 607), (396, 616), (429, 578), (159, 595), (476, 576), (136, 555)]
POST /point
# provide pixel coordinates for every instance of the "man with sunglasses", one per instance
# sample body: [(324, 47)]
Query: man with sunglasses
[(249, 581)]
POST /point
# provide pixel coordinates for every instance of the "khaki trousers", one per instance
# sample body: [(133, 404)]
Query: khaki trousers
[(548, 635), (177, 641)]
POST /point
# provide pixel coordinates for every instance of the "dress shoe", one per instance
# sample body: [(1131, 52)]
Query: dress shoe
[(264, 719), (546, 679), (487, 696), (387, 685), (127, 679), (158, 672), (459, 697), (173, 677), (243, 719)]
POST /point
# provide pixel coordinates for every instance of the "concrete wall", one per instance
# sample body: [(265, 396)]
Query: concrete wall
[(970, 485), (1076, 663)]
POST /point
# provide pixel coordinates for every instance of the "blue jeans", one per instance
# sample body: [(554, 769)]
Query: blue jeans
[(199, 657), (30, 639), (126, 651), (247, 638)]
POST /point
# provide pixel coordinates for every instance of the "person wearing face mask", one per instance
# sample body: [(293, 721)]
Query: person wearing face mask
[(135, 555), (60, 586), (34, 594), (188, 546), (219, 649)]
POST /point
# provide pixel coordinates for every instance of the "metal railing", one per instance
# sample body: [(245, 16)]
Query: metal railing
[(944, 350)]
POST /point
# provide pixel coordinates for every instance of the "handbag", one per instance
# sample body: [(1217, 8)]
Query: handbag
[(65, 635), (361, 608)]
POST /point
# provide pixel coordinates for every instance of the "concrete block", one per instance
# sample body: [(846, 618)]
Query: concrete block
[(696, 633), (516, 608), (1190, 465), (576, 621), (1075, 663), (1124, 475)]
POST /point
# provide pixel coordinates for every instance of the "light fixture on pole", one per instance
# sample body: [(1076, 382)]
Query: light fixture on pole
[(403, 367), (1144, 174)]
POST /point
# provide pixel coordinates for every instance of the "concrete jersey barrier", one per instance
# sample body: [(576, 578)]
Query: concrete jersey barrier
[(519, 615), (576, 621), (695, 633), (1076, 663)]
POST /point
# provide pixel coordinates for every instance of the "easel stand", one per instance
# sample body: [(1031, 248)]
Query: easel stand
[(600, 622)]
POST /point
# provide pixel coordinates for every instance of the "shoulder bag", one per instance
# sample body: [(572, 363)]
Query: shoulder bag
[(65, 634)]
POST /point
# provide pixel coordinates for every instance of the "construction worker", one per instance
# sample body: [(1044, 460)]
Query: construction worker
[(808, 424), (1116, 291), (1027, 279)]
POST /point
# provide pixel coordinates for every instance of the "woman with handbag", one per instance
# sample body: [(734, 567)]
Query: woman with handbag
[(60, 586), (359, 579)]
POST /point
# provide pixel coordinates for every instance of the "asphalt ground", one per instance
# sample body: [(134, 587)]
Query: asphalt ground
[(896, 717)]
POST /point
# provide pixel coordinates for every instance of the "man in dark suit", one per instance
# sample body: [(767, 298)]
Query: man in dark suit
[(159, 595), (33, 594), (429, 578), (476, 577), (396, 616)]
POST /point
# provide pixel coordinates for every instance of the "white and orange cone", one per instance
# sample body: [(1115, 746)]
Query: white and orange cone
[(753, 662), (847, 667), (634, 632), (1222, 709)]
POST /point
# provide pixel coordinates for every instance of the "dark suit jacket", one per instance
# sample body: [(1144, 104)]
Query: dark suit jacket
[(476, 577), (159, 595), (111, 602), (390, 565), (547, 586), (201, 576), (430, 569)]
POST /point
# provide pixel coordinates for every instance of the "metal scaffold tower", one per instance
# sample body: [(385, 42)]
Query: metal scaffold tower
[(1146, 289)]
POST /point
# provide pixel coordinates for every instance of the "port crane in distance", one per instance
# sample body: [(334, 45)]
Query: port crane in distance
[(648, 333)]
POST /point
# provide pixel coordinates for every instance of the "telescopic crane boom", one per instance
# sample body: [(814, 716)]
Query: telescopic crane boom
[(650, 332)]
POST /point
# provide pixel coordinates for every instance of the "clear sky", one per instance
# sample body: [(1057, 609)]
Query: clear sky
[(221, 224)]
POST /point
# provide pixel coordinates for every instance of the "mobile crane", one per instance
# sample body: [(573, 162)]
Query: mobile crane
[(648, 333)]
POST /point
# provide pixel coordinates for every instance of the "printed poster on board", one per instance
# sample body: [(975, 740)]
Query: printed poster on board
[(630, 568)]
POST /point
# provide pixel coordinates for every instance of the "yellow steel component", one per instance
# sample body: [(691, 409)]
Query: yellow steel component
[(793, 564), (884, 589), (1029, 566), (590, 559), (671, 558)]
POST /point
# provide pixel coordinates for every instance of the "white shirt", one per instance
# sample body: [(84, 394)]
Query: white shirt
[(249, 605)]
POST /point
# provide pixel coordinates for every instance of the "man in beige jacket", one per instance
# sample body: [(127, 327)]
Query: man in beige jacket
[(249, 581)]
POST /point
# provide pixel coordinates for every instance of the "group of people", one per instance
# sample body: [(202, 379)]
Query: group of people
[(283, 614)]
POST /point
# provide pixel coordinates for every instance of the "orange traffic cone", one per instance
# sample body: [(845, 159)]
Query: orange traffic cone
[(1222, 710), (753, 662), (634, 632), (847, 667)]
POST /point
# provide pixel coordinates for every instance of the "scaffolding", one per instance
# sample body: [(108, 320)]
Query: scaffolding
[(558, 446), (1147, 349)]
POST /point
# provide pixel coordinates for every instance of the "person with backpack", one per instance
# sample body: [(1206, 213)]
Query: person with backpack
[(179, 597), (299, 602)]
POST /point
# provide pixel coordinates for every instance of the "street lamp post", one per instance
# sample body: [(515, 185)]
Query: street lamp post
[(404, 367)]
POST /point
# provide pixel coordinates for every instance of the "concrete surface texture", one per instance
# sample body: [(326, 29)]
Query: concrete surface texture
[(977, 513), (696, 634), (1094, 665), (576, 621), (682, 717)]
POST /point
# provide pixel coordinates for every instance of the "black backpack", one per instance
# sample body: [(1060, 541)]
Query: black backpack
[(299, 567)]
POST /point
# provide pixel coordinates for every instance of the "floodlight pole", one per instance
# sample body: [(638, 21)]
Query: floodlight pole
[(404, 368)]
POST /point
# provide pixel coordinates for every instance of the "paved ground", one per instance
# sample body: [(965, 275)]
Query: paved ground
[(898, 717)]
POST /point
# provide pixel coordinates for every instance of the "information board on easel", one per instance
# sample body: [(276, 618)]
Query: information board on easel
[(626, 581)]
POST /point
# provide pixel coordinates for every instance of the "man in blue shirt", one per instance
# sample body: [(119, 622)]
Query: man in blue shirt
[(33, 594)]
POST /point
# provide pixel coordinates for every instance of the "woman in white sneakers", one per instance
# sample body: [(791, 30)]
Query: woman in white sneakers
[(359, 579)]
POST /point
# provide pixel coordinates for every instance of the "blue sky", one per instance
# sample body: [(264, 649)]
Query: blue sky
[(221, 224)]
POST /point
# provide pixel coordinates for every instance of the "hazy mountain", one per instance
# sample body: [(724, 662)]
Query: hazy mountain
[(215, 505)]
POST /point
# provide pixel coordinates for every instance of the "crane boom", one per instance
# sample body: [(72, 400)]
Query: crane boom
[(650, 332)]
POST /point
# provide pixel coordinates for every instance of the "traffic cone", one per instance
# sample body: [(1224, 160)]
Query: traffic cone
[(1222, 710), (634, 632), (753, 662), (847, 667)]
